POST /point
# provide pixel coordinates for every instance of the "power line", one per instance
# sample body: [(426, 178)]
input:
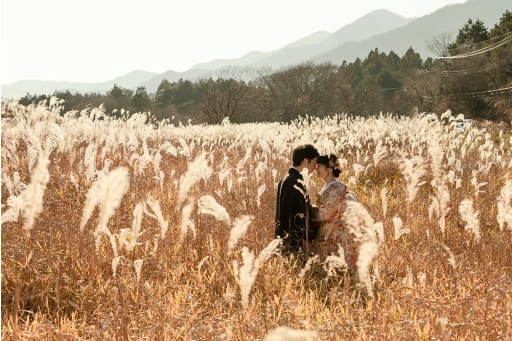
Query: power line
[(487, 93), (388, 89), (500, 43), (484, 93), (504, 40), (462, 72), (479, 43)]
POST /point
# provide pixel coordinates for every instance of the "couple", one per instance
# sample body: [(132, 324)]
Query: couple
[(300, 224)]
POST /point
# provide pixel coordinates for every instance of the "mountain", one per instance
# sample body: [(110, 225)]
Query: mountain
[(315, 38), (173, 76), (130, 80), (380, 29), (375, 22), (247, 59), (378, 21), (447, 20)]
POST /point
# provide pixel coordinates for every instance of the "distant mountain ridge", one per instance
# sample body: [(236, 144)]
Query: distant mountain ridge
[(417, 33), (375, 22), (129, 80), (290, 54), (380, 29)]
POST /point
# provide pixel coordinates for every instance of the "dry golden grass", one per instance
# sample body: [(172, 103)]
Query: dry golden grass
[(56, 287)]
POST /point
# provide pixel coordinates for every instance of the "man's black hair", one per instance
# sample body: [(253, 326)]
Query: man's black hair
[(306, 151)]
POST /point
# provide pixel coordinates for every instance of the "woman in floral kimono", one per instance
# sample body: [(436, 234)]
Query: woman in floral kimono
[(329, 213)]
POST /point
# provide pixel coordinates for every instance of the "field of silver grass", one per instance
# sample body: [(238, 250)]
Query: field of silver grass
[(129, 230)]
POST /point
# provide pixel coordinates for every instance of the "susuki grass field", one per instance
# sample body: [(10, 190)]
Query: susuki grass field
[(121, 229)]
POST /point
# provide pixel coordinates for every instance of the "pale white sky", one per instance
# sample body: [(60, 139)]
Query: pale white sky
[(98, 40)]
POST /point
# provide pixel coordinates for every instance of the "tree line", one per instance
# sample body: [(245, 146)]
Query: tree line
[(471, 75)]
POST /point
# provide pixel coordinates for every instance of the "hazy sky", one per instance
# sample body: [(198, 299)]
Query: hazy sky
[(98, 40)]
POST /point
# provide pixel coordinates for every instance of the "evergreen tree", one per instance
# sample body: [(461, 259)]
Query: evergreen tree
[(120, 96), (471, 33), (141, 100), (164, 94), (504, 26), (411, 61)]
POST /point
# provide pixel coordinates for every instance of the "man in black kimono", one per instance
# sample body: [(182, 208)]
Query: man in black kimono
[(293, 210)]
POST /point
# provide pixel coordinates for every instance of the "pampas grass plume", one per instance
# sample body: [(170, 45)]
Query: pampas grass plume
[(33, 194), (362, 226), (504, 205), (186, 222), (106, 192), (470, 216), (154, 205), (208, 205), (334, 262), (249, 270), (413, 169), (115, 263), (436, 155), (246, 275), (379, 154), (440, 203), (196, 170), (90, 160), (384, 199), (268, 251), (308, 265), (289, 334), (137, 264), (261, 190), (451, 257), (138, 212), (15, 204), (97, 239), (433, 208), (367, 252), (238, 230), (399, 231)]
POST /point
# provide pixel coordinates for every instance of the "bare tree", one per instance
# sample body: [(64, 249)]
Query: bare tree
[(303, 89), (439, 45), (221, 98)]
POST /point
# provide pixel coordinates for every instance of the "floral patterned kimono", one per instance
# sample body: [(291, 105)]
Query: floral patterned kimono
[(331, 204)]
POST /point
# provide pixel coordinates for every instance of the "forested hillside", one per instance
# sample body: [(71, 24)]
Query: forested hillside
[(471, 75)]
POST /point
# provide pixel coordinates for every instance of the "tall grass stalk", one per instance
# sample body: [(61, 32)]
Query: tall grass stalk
[(196, 170), (504, 205), (137, 264), (187, 224), (156, 213), (286, 333), (470, 216), (380, 153), (33, 195), (128, 237), (106, 193), (384, 200), (240, 226), (362, 226), (246, 274), (413, 169), (335, 262), (55, 287), (208, 205), (399, 231)]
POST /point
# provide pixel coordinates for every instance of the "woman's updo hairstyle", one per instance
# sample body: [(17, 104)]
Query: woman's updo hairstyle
[(330, 161)]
